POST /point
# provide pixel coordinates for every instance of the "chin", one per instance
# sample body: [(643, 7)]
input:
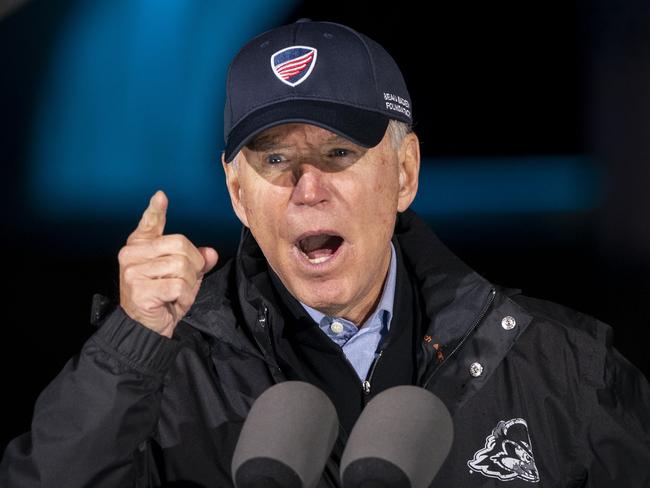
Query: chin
[(319, 295)]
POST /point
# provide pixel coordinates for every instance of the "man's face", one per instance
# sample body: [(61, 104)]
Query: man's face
[(323, 209)]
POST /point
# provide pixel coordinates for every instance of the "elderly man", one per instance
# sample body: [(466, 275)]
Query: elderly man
[(335, 283)]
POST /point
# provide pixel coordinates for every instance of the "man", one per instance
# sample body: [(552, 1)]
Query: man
[(335, 283)]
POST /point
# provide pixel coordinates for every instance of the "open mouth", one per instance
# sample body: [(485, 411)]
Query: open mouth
[(319, 248)]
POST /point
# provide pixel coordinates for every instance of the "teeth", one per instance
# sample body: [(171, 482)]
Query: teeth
[(322, 259)]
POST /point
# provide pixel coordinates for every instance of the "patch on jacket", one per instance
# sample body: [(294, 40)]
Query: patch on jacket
[(508, 453)]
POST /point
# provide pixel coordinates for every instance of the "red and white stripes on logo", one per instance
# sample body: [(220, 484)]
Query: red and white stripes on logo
[(294, 66)]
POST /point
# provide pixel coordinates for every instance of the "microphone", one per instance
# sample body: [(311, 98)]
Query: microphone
[(286, 438), (401, 439)]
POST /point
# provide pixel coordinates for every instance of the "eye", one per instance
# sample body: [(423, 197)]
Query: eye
[(340, 152), (274, 159)]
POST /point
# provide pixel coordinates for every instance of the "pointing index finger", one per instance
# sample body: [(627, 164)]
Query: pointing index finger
[(152, 223)]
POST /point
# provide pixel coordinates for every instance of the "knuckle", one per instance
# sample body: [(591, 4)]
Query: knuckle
[(178, 242), (178, 263), (158, 244), (167, 244), (123, 255), (129, 274), (170, 267), (188, 247), (175, 287), (170, 288)]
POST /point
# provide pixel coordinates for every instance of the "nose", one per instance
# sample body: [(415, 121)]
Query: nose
[(310, 185)]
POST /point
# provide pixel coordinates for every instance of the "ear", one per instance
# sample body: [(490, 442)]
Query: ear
[(233, 182), (409, 170)]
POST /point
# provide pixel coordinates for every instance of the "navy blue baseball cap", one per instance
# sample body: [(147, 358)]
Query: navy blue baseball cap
[(319, 73)]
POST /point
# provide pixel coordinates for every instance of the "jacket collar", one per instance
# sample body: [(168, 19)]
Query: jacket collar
[(465, 314), (451, 290)]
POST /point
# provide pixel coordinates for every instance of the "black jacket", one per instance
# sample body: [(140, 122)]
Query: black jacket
[(537, 393)]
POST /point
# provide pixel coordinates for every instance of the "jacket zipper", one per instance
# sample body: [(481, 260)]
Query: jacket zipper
[(367, 384), (476, 323)]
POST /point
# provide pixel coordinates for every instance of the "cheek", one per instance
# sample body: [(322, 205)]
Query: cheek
[(377, 211), (251, 195), (245, 208), (385, 189), (385, 201), (263, 207), (250, 200)]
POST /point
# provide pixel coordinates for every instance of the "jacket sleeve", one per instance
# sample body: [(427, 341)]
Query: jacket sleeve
[(91, 423), (618, 425)]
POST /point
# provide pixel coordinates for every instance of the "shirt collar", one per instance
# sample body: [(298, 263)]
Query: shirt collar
[(387, 296)]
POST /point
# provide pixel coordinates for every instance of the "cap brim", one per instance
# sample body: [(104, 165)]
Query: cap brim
[(363, 127)]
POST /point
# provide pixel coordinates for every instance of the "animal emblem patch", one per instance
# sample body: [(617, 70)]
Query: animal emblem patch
[(508, 453), (293, 65)]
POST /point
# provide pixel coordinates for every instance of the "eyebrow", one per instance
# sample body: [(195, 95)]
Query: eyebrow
[(337, 138), (264, 142)]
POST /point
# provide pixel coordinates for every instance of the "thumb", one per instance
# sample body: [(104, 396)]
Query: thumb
[(210, 256)]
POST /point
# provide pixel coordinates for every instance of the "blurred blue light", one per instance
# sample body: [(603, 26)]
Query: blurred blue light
[(509, 185), (133, 101)]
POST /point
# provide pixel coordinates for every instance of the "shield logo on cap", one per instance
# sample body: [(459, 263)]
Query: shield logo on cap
[(293, 65)]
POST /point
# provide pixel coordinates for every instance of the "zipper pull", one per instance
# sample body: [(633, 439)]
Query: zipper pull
[(366, 386), (261, 317)]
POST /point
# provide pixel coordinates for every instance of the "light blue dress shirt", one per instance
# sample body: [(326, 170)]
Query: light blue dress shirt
[(360, 344)]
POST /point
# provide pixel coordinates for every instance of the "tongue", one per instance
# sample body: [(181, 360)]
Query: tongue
[(320, 246)]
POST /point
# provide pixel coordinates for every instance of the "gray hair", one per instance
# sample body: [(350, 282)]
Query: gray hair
[(398, 131)]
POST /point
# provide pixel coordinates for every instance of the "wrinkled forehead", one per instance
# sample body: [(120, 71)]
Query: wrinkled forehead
[(288, 134)]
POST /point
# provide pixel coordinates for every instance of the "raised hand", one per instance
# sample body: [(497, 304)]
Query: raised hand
[(160, 275)]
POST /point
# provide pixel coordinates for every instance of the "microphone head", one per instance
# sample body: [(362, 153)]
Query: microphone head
[(286, 438), (401, 439)]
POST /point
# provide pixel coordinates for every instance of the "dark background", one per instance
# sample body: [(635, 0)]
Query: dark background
[(489, 83)]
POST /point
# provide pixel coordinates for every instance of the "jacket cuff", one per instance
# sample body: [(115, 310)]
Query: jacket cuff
[(136, 345)]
